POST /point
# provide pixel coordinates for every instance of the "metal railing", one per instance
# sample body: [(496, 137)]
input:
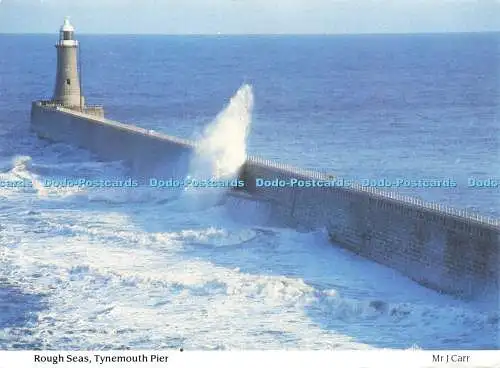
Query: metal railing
[(51, 103), (435, 207)]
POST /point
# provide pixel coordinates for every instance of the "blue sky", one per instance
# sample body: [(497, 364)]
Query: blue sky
[(251, 16)]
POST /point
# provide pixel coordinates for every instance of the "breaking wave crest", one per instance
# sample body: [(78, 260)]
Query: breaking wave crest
[(221, 150)]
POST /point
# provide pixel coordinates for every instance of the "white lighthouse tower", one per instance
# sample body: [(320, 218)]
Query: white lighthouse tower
[(67, 90)]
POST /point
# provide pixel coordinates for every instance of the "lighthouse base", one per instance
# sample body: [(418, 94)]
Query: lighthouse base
[(93, 110)]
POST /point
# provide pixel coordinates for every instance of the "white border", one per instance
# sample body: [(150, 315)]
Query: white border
[(261, 359)]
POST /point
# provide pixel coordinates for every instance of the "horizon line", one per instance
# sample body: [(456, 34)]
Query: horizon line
[(258, 34)]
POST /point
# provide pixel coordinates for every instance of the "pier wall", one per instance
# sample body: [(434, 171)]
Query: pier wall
[(441, 248), (436, 246), (144, 151)]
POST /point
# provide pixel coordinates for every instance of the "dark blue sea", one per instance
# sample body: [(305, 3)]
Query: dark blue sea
[(95, 270)]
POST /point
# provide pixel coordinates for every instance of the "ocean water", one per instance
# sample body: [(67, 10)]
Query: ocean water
[(146, 269)]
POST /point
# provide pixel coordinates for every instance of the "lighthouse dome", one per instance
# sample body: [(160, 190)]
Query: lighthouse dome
[(67, 27)]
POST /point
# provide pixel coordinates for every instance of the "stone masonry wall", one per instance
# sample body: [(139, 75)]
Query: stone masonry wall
[(444, 249)]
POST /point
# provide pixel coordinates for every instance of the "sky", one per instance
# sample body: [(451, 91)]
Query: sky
[(251, 16)]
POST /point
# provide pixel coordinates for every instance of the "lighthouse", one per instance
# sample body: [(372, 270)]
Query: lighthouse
[(67, 91)]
